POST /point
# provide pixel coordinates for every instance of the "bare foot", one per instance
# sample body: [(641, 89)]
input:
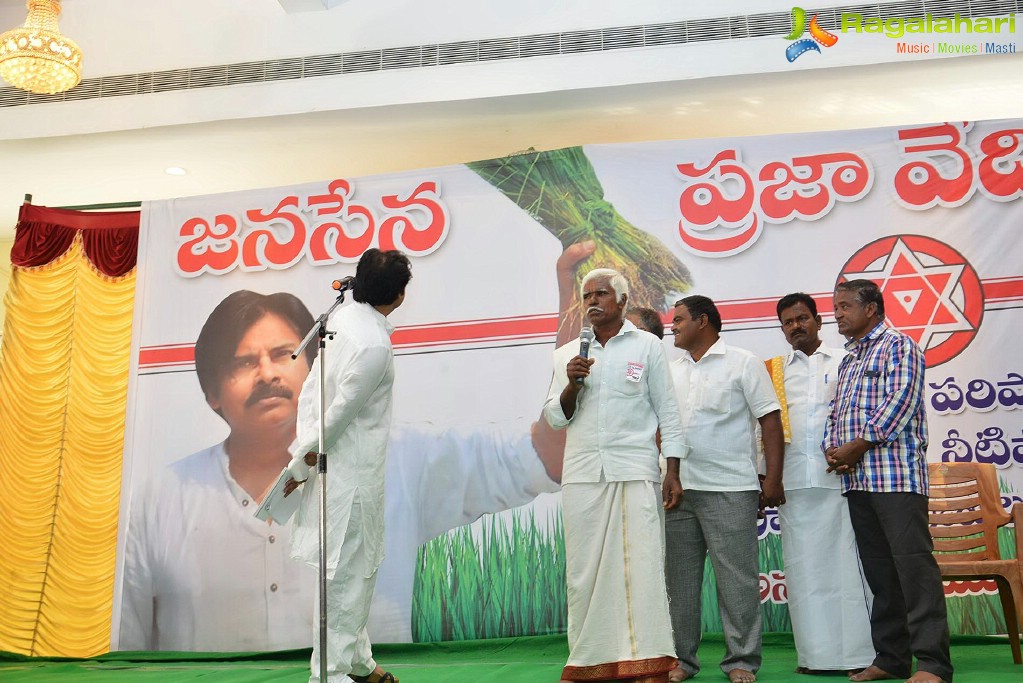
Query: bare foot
[(678, 674), (924, 677), (872, 673), (741, 676)]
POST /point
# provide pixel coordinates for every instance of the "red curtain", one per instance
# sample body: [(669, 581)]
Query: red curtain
[(110, 239)]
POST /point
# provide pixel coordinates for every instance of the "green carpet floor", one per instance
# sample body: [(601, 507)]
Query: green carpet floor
[(509, 660)]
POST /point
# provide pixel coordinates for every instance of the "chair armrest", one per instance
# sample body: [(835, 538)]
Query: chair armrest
[(1017, 520)]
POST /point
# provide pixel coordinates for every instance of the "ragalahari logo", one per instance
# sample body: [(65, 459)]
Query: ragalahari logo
[(818, 36)]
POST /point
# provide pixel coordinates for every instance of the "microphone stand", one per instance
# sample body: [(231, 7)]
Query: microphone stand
[(319, 329)]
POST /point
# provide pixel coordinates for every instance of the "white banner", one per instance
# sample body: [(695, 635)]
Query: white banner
[(930, 212)]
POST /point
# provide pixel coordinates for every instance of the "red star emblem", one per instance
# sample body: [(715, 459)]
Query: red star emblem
[(932, 294)]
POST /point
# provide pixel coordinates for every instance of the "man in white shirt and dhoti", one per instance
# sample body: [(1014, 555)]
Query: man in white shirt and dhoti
[(357, 418), (827, 597), (723, 393), (612, 404)]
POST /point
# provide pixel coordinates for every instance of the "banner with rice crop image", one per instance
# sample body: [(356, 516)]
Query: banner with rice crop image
[(473, 541)]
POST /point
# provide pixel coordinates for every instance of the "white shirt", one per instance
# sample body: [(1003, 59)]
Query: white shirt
[(626, 397), (200, 570), (192, 542), (721, 397), (809, 389), (359, 377)]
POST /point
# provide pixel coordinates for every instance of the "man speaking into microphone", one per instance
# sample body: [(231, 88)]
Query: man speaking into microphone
[(612, 394)]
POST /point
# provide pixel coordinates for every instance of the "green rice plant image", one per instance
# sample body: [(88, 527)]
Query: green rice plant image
[(506, 580), (561, 191), (493, 579), (500, 579)]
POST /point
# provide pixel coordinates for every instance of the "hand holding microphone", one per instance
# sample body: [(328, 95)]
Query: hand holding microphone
[(582, 368)]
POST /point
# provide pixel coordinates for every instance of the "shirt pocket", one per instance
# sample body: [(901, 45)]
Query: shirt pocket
[(870, 389), (716, 398), (621, 385), (829, 391)]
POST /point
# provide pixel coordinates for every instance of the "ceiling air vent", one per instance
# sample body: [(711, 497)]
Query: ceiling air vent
[(165, 81), (540, 45), (284, 69), (767, 24), (246, 72), (402, 58), (366, 60), (667, 34), (499, 48), (581, 41), (322, 65), (458, 53)]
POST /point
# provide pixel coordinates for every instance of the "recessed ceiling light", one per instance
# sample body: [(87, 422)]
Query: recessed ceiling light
[(175, 170)]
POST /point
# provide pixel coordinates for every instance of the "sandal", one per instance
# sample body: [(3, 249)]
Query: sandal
[(386, 677)]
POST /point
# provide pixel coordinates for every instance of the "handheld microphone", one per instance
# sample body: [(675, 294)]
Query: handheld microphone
[(585, 339), (344, 284)]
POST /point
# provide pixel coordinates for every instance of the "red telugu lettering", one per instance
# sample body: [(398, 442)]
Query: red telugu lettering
[(708, 205), (334, 241), (401, 231), (204, 248), (1001, 171), (919, 183)]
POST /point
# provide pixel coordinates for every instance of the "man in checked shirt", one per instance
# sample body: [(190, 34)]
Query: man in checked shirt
[(876, 439)]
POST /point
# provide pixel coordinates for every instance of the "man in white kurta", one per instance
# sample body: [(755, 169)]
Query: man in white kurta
[(828, 599), (359, 373), (612, 404)]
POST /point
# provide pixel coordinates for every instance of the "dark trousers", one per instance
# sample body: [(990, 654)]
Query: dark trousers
[(908, 614)]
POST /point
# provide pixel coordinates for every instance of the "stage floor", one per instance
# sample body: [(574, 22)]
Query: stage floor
[(509, 660)]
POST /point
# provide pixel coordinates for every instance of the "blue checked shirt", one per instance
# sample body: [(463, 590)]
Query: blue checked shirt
[(880, 398)]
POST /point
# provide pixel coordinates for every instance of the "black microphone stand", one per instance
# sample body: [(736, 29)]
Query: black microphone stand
[(319, 329)]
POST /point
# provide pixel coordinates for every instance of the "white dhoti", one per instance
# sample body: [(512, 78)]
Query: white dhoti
[(618, 622), (829, 602)]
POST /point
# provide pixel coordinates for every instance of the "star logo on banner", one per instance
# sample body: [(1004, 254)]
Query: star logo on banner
[(932, 294)]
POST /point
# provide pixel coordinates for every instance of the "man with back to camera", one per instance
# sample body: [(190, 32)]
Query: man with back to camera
[(359, 375), (611, 405), (723, 393), (646, 319), (827, 600), (876, 438)]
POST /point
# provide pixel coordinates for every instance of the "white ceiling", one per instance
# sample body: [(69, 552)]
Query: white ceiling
[(128, 162)]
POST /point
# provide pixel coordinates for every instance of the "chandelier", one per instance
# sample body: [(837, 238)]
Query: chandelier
[(36, 57)]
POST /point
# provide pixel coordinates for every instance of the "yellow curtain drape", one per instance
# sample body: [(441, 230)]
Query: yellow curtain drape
[(63, 392)]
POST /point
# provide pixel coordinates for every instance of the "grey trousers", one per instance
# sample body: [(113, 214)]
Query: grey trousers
[(723, 523)]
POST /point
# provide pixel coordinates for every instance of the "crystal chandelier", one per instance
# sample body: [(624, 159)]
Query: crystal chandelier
[(36, 57)]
